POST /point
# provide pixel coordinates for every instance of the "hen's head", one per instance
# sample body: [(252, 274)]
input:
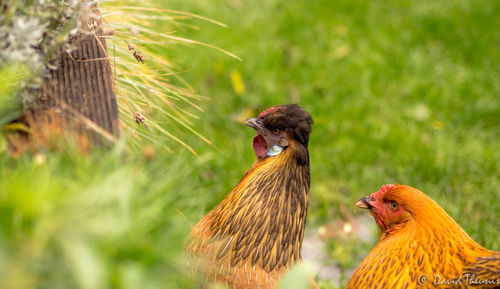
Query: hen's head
[(395, 205), (280, 127)]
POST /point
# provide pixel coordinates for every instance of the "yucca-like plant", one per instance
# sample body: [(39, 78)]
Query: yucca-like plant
[(156, 105)]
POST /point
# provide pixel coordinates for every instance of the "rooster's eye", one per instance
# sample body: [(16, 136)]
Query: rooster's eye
[(276, 131), (394, 205)]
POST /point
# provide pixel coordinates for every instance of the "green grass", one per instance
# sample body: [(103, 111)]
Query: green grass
[(401, 92)]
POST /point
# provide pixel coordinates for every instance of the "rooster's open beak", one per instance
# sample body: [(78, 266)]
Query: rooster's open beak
[(364, 203), (256, 124)]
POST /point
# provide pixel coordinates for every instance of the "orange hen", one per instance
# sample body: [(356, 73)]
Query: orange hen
[(421, 246)]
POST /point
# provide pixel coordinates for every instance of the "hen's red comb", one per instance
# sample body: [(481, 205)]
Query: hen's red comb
[(385, 188), (262, 114)]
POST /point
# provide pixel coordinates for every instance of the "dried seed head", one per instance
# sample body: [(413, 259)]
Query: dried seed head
[(138, 56), (140, 119)]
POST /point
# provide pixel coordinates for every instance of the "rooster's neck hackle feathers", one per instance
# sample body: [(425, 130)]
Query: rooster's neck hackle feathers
[(264, 216)]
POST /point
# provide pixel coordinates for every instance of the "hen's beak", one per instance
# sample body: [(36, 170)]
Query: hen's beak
[(364, 203), (256, 124)]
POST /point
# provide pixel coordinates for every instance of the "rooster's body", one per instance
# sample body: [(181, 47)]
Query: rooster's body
[(256, 232), (421, 246)]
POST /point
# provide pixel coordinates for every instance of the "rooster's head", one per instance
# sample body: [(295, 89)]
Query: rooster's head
[(279, 128)]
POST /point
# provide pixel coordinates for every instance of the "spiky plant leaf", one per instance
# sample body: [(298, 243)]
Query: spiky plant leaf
[(154, 100)]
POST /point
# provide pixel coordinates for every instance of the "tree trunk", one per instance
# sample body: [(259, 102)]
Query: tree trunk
[(78, 98)]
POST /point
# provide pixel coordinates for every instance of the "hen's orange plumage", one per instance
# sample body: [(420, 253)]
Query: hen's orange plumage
[(421, 246), (256, 232)]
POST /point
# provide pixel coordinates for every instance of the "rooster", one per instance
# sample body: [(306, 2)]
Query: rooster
[(255, 234), (421, 246)]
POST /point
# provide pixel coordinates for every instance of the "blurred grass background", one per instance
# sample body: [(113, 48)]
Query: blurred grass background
[(401, 92)]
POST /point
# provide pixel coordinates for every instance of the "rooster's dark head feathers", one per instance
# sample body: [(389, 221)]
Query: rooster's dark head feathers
[(279, 127)]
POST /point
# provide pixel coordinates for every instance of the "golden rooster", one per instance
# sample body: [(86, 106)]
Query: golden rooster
[(421, 246), (256, 232)]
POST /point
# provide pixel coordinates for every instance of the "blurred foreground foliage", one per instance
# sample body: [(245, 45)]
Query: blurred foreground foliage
[(108, 220)]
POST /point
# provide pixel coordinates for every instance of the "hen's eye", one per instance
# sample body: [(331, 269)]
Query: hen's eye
[(394, 205), (276, 131)]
